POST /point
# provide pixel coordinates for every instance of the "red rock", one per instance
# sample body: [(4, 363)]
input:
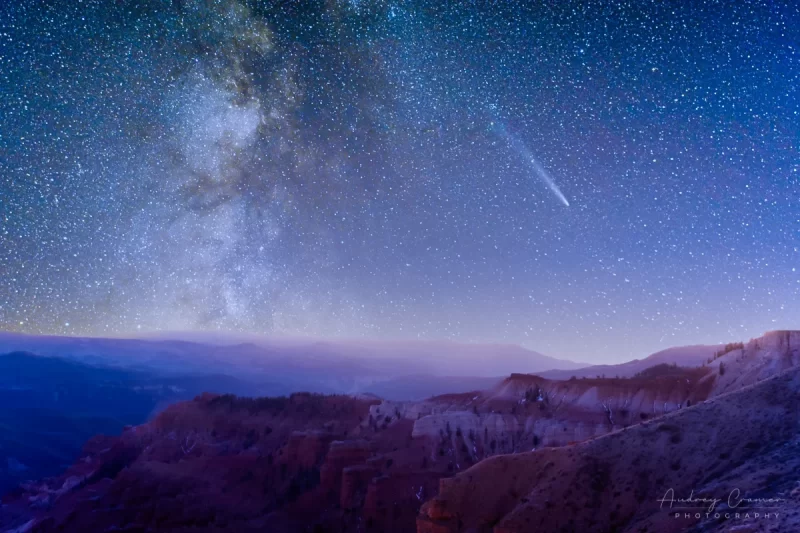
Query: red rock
[(342, 454), (355, 480)]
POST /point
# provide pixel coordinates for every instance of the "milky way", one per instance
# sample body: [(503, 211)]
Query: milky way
[(329, 169)]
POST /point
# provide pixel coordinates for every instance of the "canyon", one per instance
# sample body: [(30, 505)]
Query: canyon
[(527, 454)]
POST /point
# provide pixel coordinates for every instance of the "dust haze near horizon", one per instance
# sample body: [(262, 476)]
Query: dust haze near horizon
[(329, 170)]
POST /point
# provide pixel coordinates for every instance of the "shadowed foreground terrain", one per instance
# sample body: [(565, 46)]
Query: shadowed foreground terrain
[(50, 406), (605, 450), (747, 440)]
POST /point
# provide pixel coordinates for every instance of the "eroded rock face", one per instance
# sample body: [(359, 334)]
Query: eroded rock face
[(756, 360), (229, 464), (307, 448), (355, 480), (342, 454), (339, 463), (232, 464), (748, 440), (525, 412), (307, 460)]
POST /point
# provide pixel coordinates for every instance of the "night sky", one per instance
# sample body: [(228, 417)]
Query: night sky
[(593, 180)]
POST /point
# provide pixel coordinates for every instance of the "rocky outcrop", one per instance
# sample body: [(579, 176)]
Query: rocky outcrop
[(307, 448), (342, 454), (525, 412), (747, 440), (756, 360), (231, 464), (392, 502), (355, 480)]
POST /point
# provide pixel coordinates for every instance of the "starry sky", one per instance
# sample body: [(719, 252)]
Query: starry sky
[(593, 180)]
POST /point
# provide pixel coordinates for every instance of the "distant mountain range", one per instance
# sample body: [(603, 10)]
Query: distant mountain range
[(687, 356), (300, 365)]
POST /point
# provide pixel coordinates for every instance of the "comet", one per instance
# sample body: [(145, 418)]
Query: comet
[(525, 153)]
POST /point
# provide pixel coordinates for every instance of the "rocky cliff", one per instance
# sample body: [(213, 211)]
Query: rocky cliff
[(748, 440)]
